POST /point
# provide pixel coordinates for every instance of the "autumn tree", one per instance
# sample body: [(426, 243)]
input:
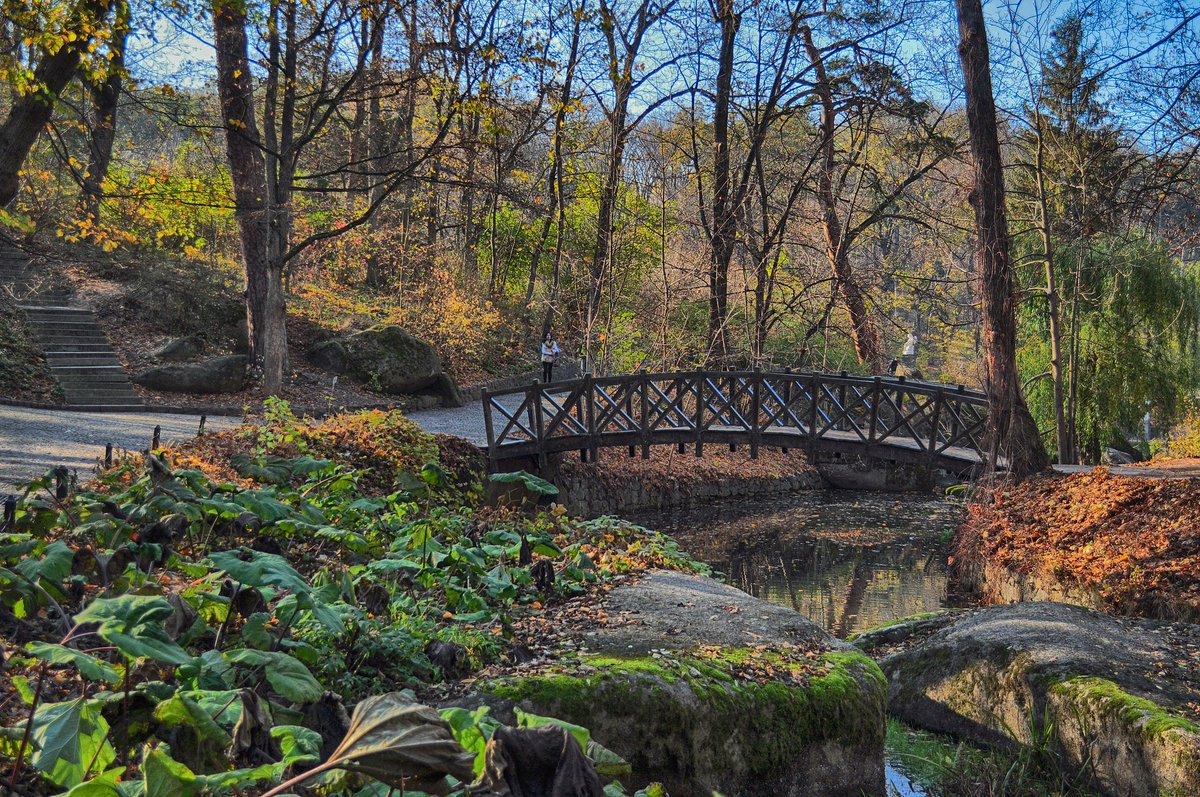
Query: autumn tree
[(47, 49)]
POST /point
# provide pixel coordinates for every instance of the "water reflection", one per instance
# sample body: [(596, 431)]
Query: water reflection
[(849, 561)]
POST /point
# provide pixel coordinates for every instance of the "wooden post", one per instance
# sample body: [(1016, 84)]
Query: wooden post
[(629, 412), (787, 400), (489, 430), (539, 431), (108, 455), (200, 431), (700, 377), (876, 392), (938, 400), (62, 484), (645, 413), (843, 414), (156, 438), (593, 439), (755, 408), (10, 513), (812, 420)]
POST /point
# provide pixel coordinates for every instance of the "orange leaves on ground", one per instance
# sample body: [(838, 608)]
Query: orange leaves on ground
[(1134, 540)]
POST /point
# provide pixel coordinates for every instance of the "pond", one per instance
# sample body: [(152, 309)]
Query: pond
[(848, 561)]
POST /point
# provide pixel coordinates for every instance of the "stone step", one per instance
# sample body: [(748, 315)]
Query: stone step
[(90, 407), (100, 389), (90, 371), (40, 306), (57, 359), (88, 339), (77, 348), (78, 331), (94, 393), (53, 315)]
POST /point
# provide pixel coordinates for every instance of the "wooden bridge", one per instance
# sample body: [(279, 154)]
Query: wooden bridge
[(939, 426)]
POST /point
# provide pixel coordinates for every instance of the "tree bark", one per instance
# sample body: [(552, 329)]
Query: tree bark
[(863, 332), (32, 110), (1014, 433), (105, 97), (724, 212), (1062, 432), (265, 304)]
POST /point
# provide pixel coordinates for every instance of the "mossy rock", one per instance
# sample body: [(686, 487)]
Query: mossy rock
[(215, 375), (384, 357), (1081, 684), (679, 707)]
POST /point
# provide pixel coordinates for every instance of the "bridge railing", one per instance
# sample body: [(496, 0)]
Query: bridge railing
[(915, 420)]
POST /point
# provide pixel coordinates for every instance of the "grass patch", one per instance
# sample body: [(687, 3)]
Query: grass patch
[(944, 767)]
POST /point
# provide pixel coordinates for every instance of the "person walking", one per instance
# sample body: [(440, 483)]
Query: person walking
[(549, 357)]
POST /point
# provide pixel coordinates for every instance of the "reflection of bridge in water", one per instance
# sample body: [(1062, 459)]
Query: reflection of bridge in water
[(935, 425)]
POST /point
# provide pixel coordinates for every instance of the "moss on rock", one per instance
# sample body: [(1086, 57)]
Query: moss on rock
[(693, 723)]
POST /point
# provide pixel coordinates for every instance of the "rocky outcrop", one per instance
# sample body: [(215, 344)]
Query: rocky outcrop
[(217, 375), (1104, 692), (663, 684), (387, 359), (179, 349)]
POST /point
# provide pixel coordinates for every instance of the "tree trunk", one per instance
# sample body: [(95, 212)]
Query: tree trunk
[(863, 332), (105, 97), (1054, 311), (32, 110), (265, 305), (1014, 433), (724, 214)]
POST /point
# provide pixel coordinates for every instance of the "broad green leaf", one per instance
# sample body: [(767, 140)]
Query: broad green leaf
[(286, 674), (182, 710), (166, 777), (527, 720), (259, 569), (534, 484), (135, 624), (298, 744), (403, 743), (54, 564), (268, 508), (95, 787), (473, 729), (69, 737), (89, 666)]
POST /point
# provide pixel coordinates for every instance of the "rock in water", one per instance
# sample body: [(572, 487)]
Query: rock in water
[(1090, 684), (217, 375), (179, 349), (659, 685), (384, 358)]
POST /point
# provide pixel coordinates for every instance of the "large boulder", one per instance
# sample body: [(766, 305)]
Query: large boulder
[(1108, 694), (384, 357), (216, 375), (701, 687), (179, 349)]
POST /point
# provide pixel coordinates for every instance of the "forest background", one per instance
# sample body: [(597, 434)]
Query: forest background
[(663, 184)]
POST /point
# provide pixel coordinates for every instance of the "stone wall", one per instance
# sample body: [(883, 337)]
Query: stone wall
[(618, 485)]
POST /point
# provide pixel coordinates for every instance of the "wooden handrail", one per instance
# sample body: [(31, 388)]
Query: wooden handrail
[(941, 425)]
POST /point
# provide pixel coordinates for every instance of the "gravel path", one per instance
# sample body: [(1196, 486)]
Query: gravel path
[(34, 441)]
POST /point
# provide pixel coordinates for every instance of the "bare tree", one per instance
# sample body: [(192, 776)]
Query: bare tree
[(1014, 433)]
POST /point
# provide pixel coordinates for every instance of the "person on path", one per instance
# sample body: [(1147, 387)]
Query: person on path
[(549, 357)]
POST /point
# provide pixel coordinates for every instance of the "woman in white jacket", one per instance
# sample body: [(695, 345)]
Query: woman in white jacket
[(549, 357)]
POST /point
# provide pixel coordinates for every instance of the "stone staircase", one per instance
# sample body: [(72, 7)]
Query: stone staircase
[(76, 349)]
